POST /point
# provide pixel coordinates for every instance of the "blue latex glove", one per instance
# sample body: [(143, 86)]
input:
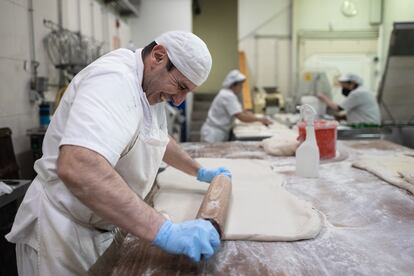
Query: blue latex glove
[(195, 238), (207, 175)]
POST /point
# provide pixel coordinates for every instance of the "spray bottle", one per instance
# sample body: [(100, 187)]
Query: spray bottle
[(307, 154)]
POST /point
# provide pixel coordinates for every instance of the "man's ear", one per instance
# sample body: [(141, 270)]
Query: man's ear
[(159, 54)]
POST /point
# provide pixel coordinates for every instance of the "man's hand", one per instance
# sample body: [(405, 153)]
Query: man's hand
[(195, 239), (207, 175), (266, 121)]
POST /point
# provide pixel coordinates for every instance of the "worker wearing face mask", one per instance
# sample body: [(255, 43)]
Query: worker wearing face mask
[(360, 104), (224, 108)]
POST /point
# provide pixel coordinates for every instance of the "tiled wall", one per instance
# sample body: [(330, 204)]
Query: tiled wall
[(16, 111)]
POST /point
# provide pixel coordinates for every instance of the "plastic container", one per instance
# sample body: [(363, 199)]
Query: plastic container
[(44, 114), (307, 154), (326, 135)]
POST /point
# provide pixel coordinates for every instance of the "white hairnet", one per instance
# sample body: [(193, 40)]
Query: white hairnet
[(188, 53), (351, 77), (232, 77)]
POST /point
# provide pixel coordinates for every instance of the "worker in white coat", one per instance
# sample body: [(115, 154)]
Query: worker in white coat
[(360, 105), (101, 154), (224, 108)]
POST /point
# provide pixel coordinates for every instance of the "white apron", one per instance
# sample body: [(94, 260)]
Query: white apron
[(77, 236), (212, 134), (67, 235)]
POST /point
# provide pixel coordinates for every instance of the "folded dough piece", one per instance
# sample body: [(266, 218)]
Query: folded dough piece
[(408, 176), (284, 143), (260, 208), (397, 170)]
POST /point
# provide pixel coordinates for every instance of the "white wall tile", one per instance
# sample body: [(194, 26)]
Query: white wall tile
[(159, 16), (85, 11), (45, 9), (97, 17), (16, 111), (13, 31), (70, 15), (14, 97), (21, 3)]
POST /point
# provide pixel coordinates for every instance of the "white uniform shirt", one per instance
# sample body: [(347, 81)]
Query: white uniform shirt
[(101, 110), (361, 107), (223, 108)]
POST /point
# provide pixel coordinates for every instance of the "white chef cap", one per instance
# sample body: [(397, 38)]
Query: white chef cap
[(188, 53), (351, 77), (232, 77)]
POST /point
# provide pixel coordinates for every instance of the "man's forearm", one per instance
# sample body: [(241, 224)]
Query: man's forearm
[(247, 117), (96, 184), (331, 104), (176, 157)]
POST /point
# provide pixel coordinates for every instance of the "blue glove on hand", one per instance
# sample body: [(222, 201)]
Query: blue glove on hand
[(195, 238), (207, 175)]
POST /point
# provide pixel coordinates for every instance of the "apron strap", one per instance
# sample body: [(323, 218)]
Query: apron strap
[(131, 143)]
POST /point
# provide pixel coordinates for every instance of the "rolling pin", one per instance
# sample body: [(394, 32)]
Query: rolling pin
[(216, 202), (213, 208)]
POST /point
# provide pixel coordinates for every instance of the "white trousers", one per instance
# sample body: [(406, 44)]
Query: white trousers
[(27, 260)]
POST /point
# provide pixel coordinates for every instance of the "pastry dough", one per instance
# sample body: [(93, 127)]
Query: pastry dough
[(260, 208), (284, 143), (397, 170)]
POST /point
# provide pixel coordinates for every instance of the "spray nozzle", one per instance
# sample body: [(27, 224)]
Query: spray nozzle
[(307, 113)]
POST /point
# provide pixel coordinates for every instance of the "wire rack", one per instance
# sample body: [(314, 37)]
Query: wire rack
[(70, 51)]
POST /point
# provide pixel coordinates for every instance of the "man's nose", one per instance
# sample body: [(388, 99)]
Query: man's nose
[(179, 98)]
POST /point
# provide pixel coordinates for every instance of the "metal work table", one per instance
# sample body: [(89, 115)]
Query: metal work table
[(258, 132), (368, 228), (255, 131)]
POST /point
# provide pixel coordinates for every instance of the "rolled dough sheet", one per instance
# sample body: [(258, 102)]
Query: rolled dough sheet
[(260, 208), (397, 170)]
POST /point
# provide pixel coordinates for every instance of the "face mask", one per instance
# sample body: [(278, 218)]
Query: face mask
[(346, 91)]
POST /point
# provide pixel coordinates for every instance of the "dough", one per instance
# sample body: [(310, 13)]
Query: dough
[(260, 208), (284, 143), (256, 129), (397, 170)]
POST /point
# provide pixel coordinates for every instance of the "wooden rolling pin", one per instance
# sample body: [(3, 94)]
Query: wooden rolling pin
[(216, 202)]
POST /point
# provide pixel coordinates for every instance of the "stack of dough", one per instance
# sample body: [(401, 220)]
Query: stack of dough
[(260, 208), (284, 143)]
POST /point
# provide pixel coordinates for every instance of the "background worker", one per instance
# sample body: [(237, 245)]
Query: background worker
[(360, 104), (224, 108)]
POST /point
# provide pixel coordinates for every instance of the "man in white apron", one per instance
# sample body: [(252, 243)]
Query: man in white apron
[(224, 108), (101, 154)]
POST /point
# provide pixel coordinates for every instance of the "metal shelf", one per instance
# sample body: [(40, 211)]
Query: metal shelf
[(124, 7)]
